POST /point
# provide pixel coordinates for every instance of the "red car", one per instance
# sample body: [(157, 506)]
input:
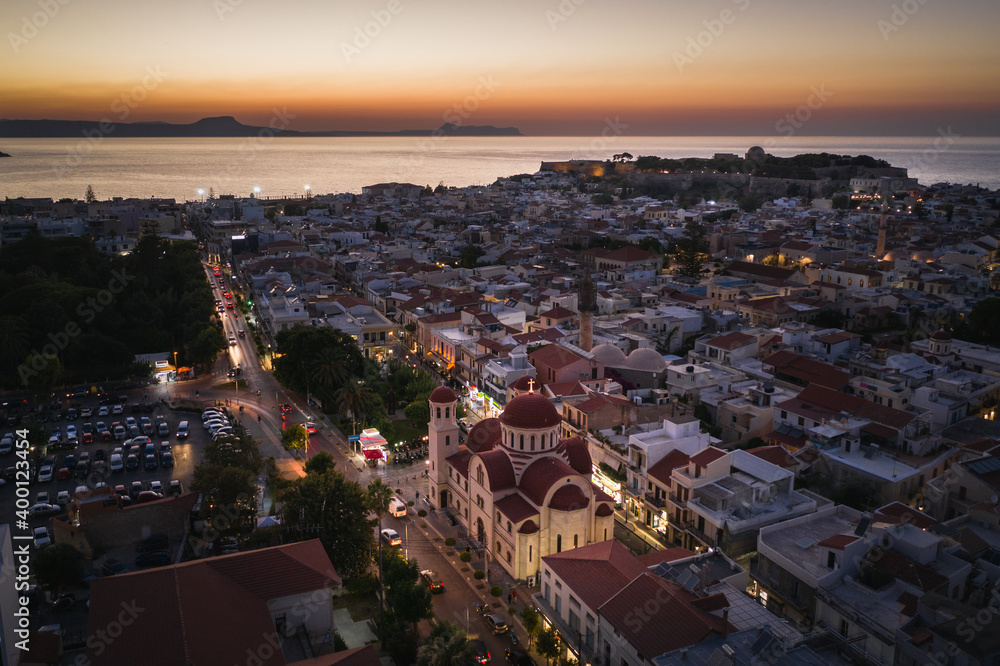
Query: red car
[(88, 438), (62, 474), (105, 435)]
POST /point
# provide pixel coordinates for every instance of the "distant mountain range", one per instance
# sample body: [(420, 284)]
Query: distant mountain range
[(221, 126)]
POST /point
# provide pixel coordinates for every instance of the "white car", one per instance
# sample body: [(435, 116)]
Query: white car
[(156, 487), (41, 537), (45, 474), (42, 509), (209, 413), (103, 411), (391, 537), (117, 409), (42, 497), (62, 498), (71, 432)]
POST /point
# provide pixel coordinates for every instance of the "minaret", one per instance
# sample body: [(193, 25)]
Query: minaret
[(880, 250), (442, 441), (587, 305)]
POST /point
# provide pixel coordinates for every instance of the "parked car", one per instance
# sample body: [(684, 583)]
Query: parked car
[(167, 460), (391, 537), (132, 462), (42, 497), (496, 623), (518, 658), (40, 535), (43, 509), (154, 559), (174, 487), (116, 463), (45, 474), (63, 474), (148, 496), (62, 497), (112, 566)]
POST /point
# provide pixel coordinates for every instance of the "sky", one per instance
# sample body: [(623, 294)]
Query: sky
[(547, 67)]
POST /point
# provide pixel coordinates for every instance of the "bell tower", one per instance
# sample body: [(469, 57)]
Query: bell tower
[(442, 441)]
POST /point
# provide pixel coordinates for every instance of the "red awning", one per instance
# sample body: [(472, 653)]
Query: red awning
[(373, 454)]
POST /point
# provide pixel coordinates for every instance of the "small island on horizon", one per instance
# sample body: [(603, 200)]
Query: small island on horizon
[(216, 127)]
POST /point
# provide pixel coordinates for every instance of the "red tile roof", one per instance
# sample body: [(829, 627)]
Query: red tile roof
[(707, 455), (540, 475), (499, 471), (569, 498), (460, 460), (808, 369), (566, 388), (665, 466), (361, 656), (826, 403), (515, 507), (897, 512), (550, 334), (671, 554), (530, 411), (554, 356), (181, 606), (576, 453), (628, 254), (838, 541), (595, 572), (835, 337), (675, 609), (484, 436), (731, 341), (776, 455), (896, 565), (558, 312)]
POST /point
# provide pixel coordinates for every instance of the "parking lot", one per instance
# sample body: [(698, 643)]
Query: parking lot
[(185, 453)]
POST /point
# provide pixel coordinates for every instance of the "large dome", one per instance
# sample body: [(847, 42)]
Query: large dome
[(484, 435), (941, 335), (530, 411), (442, 395), (646, 359), (608, 354)]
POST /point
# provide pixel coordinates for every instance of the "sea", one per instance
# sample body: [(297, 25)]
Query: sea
[(191, 168)]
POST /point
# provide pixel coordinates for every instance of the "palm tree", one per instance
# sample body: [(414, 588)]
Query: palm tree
[(330, 367), (378, 496), (356, 398)]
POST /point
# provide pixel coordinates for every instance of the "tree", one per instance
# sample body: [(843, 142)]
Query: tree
[(321, 463), (336, 509), (532, 621), (303, 348), (206, 346), (984, 321), (377, 497), (829, 319), (692, 250), (380, 225), (295, 438), (418, 411), (356, 399), (664, 338), (469, 256), (58, 565), (446, 646), (749, 203), (650, 244), (406, 596), (548, 644), (90, 197), (40, 372)]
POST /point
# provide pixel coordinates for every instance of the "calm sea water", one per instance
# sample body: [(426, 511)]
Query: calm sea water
[(179, 168)]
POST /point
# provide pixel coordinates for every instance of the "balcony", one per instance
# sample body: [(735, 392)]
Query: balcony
[(677, 501), (658, 502), (691, 528)]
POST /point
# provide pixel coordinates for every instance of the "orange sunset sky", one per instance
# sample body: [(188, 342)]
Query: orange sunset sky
[(548, 67)]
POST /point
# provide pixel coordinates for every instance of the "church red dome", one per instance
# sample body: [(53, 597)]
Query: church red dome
[(524, 383), (442, 395), (941, 335), (530, 411), (484, 435)]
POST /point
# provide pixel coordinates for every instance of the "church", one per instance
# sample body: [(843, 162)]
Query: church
[(515, 486)]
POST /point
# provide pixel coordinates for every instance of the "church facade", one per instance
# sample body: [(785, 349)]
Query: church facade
[(515, 485)]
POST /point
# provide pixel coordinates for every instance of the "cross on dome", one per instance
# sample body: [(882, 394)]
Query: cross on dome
[(531, 385)]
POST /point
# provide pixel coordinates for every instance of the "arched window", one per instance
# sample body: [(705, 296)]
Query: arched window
[(522, 442), (543, 442), (479, 475), (447, 410), (511, 440), (508, 557), (447, 440), (532, 442), (529, 553), (439, 412), (559, 543), (508, 526)]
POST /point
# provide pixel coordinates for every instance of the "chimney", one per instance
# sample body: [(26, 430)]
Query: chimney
[(725, 622)]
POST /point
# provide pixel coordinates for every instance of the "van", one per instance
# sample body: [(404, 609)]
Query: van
[(116, 463), (182, 430), (397, 507)]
